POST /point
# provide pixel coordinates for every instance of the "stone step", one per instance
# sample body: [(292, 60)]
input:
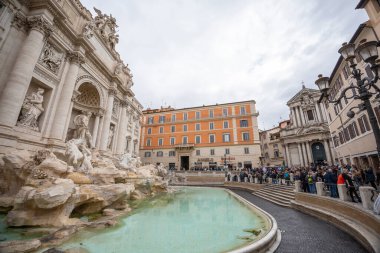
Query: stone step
[(276, 195), (273, 200), (277, 190), (279, 186)]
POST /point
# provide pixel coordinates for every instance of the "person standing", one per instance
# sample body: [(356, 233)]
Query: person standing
[(350, 185), (370, 177)]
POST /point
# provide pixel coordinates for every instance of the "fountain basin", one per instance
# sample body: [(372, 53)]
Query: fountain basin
[(193, 219)]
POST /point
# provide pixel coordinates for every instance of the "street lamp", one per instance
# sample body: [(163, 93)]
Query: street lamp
[(365, 86)]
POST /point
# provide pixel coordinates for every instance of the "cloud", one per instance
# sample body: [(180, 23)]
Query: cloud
[(189, 53)]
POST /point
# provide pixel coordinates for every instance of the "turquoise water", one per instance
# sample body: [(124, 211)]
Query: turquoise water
[(191, 220), (7, 234)]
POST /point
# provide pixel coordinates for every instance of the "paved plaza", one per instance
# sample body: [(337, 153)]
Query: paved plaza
[(304, 233)]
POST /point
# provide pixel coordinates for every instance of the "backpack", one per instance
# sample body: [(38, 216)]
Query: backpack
[(309, 179)]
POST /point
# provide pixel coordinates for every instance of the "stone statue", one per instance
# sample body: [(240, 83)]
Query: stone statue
[(31, 110), (113, 39), (78, 155), (118, 68), (88, 29), (50, 58), (82, 132), (110, 136)]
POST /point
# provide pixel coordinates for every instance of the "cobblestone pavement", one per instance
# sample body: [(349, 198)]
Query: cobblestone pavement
[(303, 233)]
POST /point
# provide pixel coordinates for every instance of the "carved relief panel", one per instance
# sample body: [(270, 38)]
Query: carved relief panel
[(51, 58)]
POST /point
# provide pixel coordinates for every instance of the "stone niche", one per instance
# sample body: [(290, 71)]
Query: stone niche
[(34, 86), (71, 129)]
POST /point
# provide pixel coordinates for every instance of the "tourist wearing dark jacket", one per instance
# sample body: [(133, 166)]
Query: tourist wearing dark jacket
[(350, 185), (370, 177)]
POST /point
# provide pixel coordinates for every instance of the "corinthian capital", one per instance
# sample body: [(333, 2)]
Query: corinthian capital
[(75, 57), (19, 21), (40, 24)]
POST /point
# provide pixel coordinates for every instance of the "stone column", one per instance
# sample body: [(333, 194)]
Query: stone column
[(300, 154), (15, 89), (58, 130), (342, 191), (288, 155), (96, 128), (107, 119), (121, 138), (306, 161), (310, 154), (327, 151), (300, 121)]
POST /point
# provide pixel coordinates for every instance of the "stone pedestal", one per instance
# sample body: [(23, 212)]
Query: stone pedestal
[(366, 194), (238, 178), (320, 191), (297, 185), (270, 180), (246, 180), (225, 179), (342, 190), (256, 180)]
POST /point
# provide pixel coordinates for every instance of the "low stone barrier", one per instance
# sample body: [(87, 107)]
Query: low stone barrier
[(362, 224), (245, 186)]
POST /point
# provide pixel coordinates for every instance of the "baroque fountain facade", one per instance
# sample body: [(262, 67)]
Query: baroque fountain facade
[(69, 121)]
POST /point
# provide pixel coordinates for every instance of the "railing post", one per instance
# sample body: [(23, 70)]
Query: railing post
[(366, 194), (269, 180), (320, 191), (342, 190), (297, 185), (256, 180)]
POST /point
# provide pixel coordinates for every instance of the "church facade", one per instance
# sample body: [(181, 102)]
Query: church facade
[(61, 78), (306, 139)]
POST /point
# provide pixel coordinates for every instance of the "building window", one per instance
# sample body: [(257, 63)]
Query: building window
[(212, 151), (276, 154), (171, 153), (226, 138), (225, 124), (352, 130), (211, 125), (148, 142), (197, 115), (147, 154), (242, 110), (197, 139), (197, 152), (246, 150), (341, 138), (211, 113), (161, 119), (363, 124), (197, 127), (172, 129), (161, 130), (225, 112), (185, 116), (150, 120), (172, 140), (346, 71), (160, 142), (185, 128), (227, 151), (243, 123), (184, 140), (149, 130), (160, 154), (212, 138), (310, 115), (173, 118), (245, 136)]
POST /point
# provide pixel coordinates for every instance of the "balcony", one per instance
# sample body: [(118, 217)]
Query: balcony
[(184, 147)]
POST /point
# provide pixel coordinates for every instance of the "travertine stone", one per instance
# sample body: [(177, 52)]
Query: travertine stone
[(297, 185), (14, 91), (366, 194), (342, 191), (320, 191), (107, 121)]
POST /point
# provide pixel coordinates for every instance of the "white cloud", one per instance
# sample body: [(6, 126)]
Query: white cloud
[(195, 52)]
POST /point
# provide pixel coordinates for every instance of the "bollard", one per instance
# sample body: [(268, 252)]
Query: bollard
[(256, 180), (269, 180), (225, 179), (342, 191), (251, 179), (245, 179), (366, 194), (320, 191), (297, 185), (238, 177)]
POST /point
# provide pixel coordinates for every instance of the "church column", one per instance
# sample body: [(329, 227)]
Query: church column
[(121, 137), (318, 114), (295, 122), (307, 148), (64, 106), (107, 119), (327, 151), (15, 89), (287, 155), (300, 154), (300, 121), (96, 129)]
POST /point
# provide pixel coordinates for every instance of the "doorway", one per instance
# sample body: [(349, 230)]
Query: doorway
[(184, 162), (319, 153)]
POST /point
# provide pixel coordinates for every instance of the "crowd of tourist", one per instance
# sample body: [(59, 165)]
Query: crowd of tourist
[(351, 176)]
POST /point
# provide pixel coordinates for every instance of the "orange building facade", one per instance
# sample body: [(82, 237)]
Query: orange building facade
[(206, 137)]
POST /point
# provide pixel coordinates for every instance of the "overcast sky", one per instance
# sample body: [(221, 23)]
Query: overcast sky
[(188, 53)]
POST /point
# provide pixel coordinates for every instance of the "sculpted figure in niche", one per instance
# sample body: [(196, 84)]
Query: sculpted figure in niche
[(110, 136), (50, 58), (31, 110), (82, 132), (113, 39)]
